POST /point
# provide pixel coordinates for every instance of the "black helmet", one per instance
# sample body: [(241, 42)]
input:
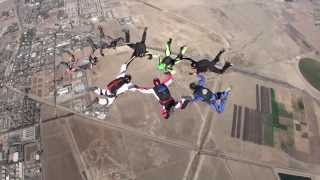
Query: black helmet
[(127, 78), (193, 65), (156, 81), (193, 86)]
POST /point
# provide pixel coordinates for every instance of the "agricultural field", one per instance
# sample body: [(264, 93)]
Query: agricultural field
[(310, 69)]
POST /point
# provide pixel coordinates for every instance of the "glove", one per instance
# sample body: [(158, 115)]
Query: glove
[(140, 49)]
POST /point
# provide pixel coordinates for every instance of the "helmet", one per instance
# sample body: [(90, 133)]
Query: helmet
[(127, 78), (156, 81), (205, 91), (193, 86)]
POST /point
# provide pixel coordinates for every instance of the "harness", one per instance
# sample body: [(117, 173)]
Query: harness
[(166, 64), (163, 93), (203, 65), (168, 60)]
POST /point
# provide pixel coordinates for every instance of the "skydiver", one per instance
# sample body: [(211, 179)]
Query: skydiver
[(93, 61), (166, 64), (88, 63), (93, 46), (139, 48), (162, 94), (113, 43), (201, 93), (72, 65), (206, 65), (121, 84)]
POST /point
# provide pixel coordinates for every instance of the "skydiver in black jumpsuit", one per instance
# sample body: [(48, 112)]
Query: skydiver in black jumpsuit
[(206, 65)]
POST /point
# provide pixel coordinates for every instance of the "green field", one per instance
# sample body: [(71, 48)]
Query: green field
[(310, 69), (292, 177), (278, 110), (268, 130)]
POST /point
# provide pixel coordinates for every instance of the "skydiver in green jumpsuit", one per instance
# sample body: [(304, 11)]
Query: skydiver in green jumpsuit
[(166, 63)]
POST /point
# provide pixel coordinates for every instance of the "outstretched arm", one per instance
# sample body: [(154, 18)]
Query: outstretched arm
[(168, 80), (65, 64), (146, 91), (201, 80), (189, 59), (196, 99), (123, 70)]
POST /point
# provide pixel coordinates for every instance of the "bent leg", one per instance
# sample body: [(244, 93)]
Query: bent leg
[(101, 51), (215, 69), (144, 35), (164, 112), (222, 95), (127, 35), (217, 58), (110, 101), (168, 48), (182, 51), (182, 103)]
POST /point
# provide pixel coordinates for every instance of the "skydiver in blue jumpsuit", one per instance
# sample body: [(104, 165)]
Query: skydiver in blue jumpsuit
[(201, 93)]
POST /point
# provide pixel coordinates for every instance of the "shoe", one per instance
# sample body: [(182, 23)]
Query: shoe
[(150, 56), (185, 103), (165, 114), (228, 90), (183, 50), (228, 64)]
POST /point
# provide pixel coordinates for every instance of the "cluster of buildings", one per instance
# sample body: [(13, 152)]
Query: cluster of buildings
[(33, 66), (79, 11), (16, 111), (19, 137)]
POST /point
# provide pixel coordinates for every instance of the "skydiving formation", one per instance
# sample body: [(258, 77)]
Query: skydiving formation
[(122, 83)]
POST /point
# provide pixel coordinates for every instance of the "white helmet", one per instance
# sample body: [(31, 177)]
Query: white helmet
[(205, 91)]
